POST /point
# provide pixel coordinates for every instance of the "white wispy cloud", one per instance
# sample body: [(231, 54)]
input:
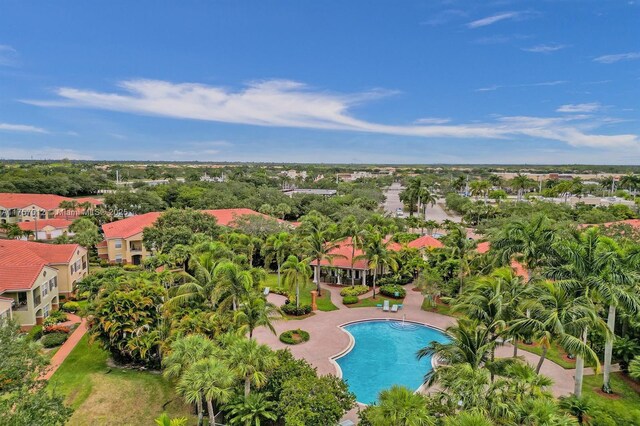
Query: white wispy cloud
[(610, 59), (24, 128), (8, 55), (573, 108), (545, 48), (489, 20), (282, 103), (510, 86), (433, 120)]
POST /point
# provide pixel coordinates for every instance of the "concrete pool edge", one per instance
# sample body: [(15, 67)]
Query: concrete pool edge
[(352, 341)]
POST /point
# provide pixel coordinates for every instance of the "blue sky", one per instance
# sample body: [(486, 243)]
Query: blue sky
[(332, 81)]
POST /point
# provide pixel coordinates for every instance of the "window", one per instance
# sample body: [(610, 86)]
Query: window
[(55, 281), (44, 290), (52, 284), (118, 243), (45, 311), (118, 258)]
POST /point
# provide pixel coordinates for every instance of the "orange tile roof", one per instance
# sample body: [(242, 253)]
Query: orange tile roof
[(344, 250), (55, 223), (46, 201), (135, 224), (129, 226), (518, 267), (22, 261), (425, 241)]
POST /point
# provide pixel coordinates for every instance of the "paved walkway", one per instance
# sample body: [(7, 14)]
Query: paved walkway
[(328, 339), (66, 348)]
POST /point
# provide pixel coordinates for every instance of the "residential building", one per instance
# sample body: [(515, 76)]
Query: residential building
[(123, 238), (45, 229), (16, 208), (33, 276)]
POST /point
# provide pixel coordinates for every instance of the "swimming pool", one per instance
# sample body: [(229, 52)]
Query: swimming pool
[(384, 354)]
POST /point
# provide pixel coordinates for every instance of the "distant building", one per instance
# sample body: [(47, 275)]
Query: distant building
[(206, 178), (16, 208), (46, 229), (294, 174), (323, 192)]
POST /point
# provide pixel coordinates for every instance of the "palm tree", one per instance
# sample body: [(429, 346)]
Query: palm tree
[(252, 362), (630, 182), (232, 284), (634, 368), (399, 406), (68, 205), (470, 343), (353, 230), (427, 198), (529, 242), (521, 182), (431, 225), (579, 266), (184, 353), (296, 272), (276, 247), (619, 288), (210, 379), (378, 256), (460, 248), (256, 311), (320, 248), (252, 410), (554, 315)]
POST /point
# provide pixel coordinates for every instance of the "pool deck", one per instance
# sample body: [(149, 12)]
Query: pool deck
[(328, 339)]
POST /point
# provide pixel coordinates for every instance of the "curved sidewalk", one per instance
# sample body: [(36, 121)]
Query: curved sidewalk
[(66, 348)]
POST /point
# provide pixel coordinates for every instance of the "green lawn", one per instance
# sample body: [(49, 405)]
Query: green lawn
[(103, 395), (440, 308), (370, 302), (324, 301), (623, 407), (554, 354)]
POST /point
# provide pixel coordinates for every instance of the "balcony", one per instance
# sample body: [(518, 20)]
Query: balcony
[(135, 247), (37, 300)]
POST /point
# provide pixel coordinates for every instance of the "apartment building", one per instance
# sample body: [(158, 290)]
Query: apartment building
[(16, 208), (34, 276)]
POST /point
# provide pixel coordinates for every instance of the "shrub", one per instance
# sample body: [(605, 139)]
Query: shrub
[(395, 279), (131, 268), (393, 290), (350, 300), (72, 307), (54, 339), (293, 337), (354, 291), (35, 333), (291, 309), (57, 328), (55, 317)]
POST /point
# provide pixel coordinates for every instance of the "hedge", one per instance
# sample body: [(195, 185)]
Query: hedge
[(54, 339), (55, 317), (72, 307), (393, 290), (350, 300), (293, 337), (35, 333), (354, 291), (291, 309)]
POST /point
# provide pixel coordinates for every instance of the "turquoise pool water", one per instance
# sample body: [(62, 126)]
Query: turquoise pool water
[(384, 355)]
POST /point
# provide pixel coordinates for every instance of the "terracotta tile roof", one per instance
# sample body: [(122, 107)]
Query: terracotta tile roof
[(22, 261), (135, 224), (129, 226), (425, 241), (343, 253), (55, 223), (518, 267), (635, 223), (46, 201)]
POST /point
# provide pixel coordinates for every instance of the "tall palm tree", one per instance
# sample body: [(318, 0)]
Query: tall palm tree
[(521, 182), (184, 353), (252, 410), (353, 230), (529, 242), (427, 198), (399, 406), (378, 256), (252, 362), (256, 311), (579, 266), (277, 247), (461, 249), (210, 379), (232, 284), (554, 315), (296, 272), (320, 248)]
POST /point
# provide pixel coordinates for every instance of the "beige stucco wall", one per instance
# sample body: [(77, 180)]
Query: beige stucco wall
[(67, 280), (125, 252), (27, 316)]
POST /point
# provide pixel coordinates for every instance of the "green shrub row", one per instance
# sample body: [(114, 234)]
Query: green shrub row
[(53, 339), (354, 291), (35, 333), (291, 309), (55, 317), (350, 300), (288, 337), (393, 290), (72, 307)]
